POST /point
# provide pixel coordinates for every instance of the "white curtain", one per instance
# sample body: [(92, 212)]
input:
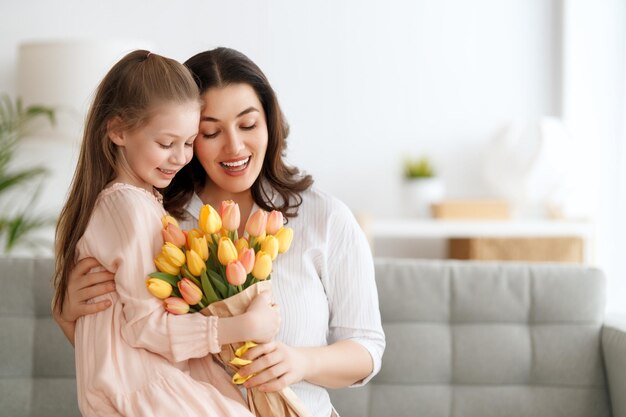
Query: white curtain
[(594, 108)]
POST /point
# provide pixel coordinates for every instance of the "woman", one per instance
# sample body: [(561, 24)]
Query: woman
[(331, 335)]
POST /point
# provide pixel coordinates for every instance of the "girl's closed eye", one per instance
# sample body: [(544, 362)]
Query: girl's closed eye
[(165, 146)]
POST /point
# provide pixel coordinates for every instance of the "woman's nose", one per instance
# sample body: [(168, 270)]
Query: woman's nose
[(234, 143)]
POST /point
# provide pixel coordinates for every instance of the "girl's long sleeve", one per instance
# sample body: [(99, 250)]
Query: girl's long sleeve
[(124, 234)]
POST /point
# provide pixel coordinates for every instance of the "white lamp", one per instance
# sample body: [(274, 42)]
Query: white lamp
[(65, 74)]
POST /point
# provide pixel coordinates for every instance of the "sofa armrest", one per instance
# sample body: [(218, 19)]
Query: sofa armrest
[(614, 349)]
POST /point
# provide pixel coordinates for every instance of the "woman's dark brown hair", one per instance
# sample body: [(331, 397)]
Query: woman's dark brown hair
[(218, 68)]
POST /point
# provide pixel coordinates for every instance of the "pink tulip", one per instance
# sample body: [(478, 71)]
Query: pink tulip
[(235, 273), (190, 291), (171, 233), (274, 222), (176, 305), (229, 212), (246, 257), (256, 223)]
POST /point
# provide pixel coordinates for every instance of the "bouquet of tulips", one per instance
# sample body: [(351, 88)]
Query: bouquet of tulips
[(211, 270)]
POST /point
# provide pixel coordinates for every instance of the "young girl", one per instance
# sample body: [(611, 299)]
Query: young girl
[(135, 359)]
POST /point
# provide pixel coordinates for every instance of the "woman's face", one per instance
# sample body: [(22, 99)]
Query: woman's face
[(232, 139)]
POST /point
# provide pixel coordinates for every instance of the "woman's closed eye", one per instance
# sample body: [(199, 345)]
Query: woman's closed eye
[(249, 126)]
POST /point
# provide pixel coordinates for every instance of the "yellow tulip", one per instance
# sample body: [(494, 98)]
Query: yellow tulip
[(159, 288), (270, 246), (262, 266), (195, 263), (163, 265), (226, 251), (209, 220), (200, 246), (167, 219), (284, 236), (173, 254), (193, 234), (241, 244)]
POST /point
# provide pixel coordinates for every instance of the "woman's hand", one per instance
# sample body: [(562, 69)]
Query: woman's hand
[(264, 317), (83, 286), (276, 365)]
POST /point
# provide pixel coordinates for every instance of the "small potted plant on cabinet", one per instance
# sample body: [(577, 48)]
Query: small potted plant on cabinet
[(423, 186)]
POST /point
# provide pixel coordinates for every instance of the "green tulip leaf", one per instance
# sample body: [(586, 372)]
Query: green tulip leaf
[(219, 284), (170, 279), (207, 288)]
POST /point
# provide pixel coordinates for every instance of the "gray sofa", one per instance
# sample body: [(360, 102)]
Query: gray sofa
[(463, 339)]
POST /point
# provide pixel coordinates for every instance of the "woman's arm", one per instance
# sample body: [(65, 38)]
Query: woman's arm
[(355, 336), (83, 286), (338, 365)]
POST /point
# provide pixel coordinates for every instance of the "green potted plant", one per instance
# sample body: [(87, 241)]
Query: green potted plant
[(423, 186), (17, 221)]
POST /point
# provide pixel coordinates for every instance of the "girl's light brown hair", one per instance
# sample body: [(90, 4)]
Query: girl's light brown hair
[(136, 86), (218, 68)]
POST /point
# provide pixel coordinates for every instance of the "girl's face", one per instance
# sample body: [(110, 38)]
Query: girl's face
[(156, 151), (232, 140)]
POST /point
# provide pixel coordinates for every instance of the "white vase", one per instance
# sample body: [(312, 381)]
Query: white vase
[(420, 193)]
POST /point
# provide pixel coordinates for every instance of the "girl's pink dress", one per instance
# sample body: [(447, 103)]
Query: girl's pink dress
[(134, 358)]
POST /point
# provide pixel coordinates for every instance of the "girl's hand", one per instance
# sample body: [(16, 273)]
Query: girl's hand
[(276, 365), (83, 286), (264, 318)]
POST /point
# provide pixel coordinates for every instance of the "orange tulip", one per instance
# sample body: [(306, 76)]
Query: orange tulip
[(255, 226), (274, 222), (229, 212), (176, 305), (171, 233), (246, 257), (190, 291), (235, 273)]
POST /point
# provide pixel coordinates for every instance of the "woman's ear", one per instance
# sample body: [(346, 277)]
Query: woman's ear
[(115, 131)]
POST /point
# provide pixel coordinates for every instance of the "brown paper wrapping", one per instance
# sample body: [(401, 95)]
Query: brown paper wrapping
[(283, 403)]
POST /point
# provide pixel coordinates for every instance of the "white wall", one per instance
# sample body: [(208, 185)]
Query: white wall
[(362, 83)]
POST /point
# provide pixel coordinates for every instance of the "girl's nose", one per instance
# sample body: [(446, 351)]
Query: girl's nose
[(178, 155)]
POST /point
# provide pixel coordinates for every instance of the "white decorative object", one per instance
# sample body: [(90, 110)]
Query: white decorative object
[(420, 193), (539, 170)]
